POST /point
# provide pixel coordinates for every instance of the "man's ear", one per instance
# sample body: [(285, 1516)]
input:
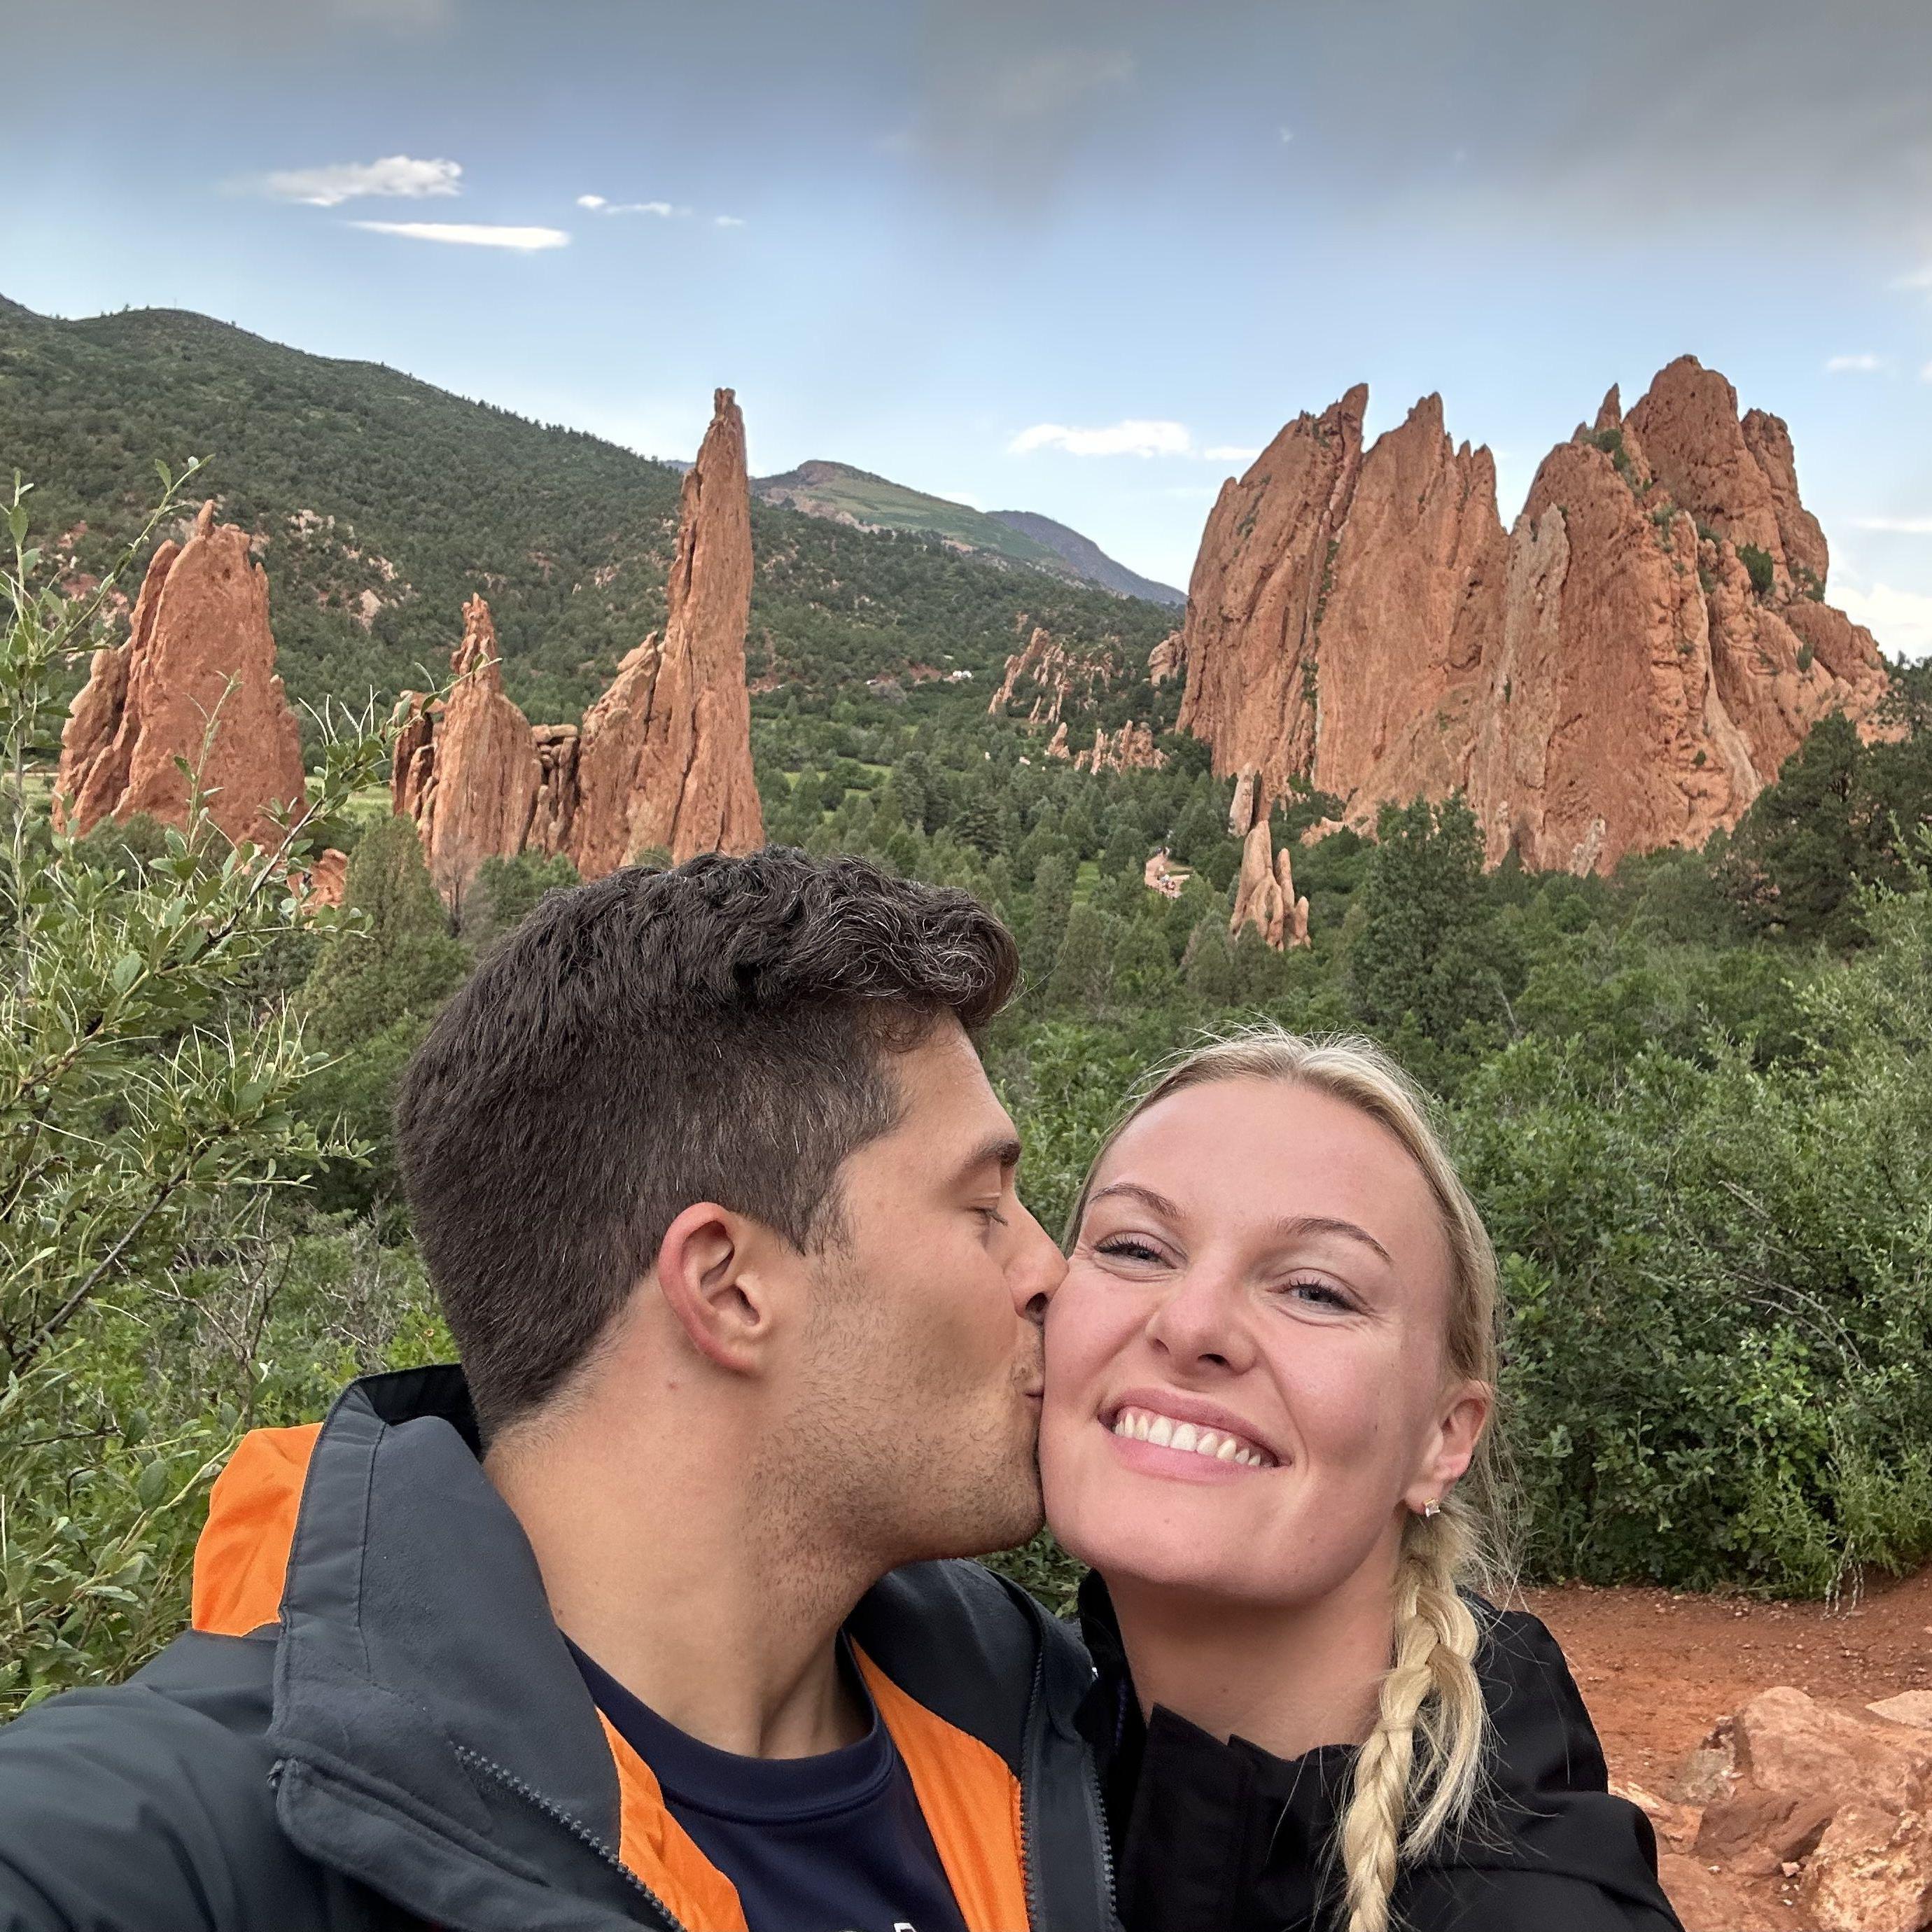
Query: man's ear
[(710, 1280)]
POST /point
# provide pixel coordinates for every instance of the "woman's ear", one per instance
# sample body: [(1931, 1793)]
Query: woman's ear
[(710, 1281), (1451, 1447)]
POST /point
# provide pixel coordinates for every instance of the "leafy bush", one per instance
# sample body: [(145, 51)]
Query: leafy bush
[(147, 1123), (1758, 567)]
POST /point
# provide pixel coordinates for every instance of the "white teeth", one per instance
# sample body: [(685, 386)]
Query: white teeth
[(1141, 1426)]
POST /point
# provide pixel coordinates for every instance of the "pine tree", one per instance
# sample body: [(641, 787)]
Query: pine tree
[(1083, 969), (1428, 950), (1052, 905)]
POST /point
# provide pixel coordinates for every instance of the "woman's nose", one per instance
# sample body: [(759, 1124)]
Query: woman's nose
[(1202, 1321)]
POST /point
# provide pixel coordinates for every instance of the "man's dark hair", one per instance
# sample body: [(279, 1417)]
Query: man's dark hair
[(719, 1032)]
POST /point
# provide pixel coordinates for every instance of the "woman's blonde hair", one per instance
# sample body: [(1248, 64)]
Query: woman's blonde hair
[(1417, 1776)]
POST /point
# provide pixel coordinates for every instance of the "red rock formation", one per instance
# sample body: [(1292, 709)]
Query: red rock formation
[(664, 758), (1608, 678), (1168, 658), (1252, 600), (465, 766), (196, 680), (1131, 748), (1056, 745), (1051, 673), (555, 811), (1646, 690), (1264, 893), (1414, 599)]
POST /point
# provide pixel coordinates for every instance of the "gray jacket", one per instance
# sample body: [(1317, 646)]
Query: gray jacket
[(410, 1743)]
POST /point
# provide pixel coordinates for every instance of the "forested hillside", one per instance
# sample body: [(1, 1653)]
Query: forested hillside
[(381, 503)]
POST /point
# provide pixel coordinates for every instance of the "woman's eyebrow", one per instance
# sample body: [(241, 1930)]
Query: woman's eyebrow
[(1159, 1203), (1294, 1226)]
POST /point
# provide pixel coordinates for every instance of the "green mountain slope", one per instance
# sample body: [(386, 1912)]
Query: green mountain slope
[(380, 502), (1086, 558), (858, 498)]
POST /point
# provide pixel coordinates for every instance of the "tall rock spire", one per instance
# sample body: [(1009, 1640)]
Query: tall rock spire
[(465, 767), (195, 680), (665, 759)]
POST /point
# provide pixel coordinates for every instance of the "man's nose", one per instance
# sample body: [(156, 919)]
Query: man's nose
[(1038, 1270)]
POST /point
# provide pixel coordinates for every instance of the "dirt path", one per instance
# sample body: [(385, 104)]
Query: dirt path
[(1657, 1669)]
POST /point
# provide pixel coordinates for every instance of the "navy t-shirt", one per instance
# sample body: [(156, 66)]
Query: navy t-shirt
[(832, 1844)]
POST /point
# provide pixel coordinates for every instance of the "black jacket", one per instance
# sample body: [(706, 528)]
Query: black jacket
[(1225, 1837), (406, 1742)]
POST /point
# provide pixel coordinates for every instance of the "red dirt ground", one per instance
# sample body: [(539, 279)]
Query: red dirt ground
[(1657, 1669)]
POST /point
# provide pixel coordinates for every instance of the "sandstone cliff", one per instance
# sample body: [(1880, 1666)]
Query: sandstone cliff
[(1627, 669), (1665, 647), (196, 680), (1253, 600), (1414, 599)]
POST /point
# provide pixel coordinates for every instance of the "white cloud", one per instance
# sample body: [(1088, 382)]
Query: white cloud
[(1229, 452), (1919, 278), (1925, 373), (728, 221), (1287, 135), (1865, 365), (1901, 620), (597, 204), (960, 496), (396, 174), (1135, 436), (472, 234), (1903, 527)]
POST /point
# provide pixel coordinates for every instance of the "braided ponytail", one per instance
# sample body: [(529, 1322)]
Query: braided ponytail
[(1399, 1807), (1417, 1776)]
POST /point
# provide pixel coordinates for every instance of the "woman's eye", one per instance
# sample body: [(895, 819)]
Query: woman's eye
[(991, 1216), (1125, 1245), (1319, 1294)]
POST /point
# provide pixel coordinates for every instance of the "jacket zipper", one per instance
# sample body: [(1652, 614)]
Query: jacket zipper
[(578, 1830), (1103, 1833), (1035, 1916)]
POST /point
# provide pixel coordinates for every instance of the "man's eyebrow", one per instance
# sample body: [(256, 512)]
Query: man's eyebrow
[(1002, 1151), (1159, 1203), (1294, 1225)]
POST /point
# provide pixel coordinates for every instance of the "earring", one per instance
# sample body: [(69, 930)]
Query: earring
[(1431, 1509)]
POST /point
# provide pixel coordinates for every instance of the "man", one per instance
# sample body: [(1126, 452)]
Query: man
[(598, 1631)]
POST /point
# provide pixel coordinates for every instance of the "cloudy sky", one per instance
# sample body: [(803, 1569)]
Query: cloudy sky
[(1073, 255)]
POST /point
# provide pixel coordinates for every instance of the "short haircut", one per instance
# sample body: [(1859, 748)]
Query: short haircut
[(719, 1032)]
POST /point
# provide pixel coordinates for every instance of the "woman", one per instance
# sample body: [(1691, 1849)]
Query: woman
[(1271, 1375)]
